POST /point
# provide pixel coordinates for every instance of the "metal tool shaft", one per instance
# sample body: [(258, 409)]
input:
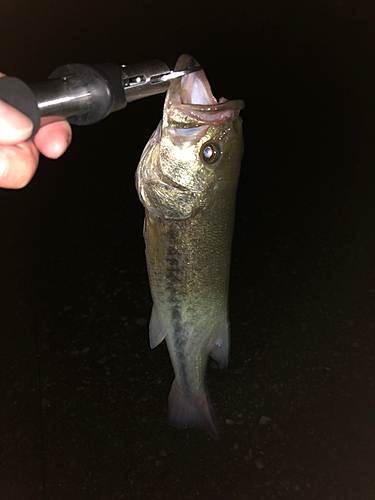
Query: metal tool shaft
[(142, 80)]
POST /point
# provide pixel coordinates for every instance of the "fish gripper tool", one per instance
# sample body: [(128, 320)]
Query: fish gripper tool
[(85, 94)]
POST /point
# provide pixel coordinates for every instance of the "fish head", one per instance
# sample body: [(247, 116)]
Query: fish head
[(197, 145)]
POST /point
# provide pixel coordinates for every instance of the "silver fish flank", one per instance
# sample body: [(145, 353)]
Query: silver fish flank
[(187, 181)]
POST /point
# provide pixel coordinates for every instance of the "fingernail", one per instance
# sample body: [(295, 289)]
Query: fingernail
[(14, 126)]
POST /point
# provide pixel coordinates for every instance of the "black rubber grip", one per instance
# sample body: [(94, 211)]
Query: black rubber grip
[(114, 75), (19, 95)]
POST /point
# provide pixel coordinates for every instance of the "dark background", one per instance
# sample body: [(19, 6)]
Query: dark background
[(83, 398)]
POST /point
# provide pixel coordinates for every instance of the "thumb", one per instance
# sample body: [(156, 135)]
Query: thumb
[(15, 127)]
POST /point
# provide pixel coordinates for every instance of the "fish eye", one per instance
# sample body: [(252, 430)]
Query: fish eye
[(210, 152)]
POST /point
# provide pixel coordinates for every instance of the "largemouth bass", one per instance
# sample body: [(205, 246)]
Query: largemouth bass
[(187, 181)]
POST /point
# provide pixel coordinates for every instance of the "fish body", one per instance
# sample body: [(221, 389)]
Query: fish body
[(187, 181)]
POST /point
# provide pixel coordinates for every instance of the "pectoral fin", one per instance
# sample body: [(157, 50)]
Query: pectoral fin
[(220, 351), (156, 330)]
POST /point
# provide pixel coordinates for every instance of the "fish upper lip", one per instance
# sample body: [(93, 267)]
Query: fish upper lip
[(195, 87)]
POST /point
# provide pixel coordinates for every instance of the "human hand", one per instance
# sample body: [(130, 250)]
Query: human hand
[(19, 157)]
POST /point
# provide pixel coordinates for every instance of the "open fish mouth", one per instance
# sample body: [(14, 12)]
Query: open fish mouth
[(192, 95)]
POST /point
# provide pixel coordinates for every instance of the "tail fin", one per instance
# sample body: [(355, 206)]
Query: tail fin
[(187, 410)]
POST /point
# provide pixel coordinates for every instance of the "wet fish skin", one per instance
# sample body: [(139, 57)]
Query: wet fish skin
[(190, 209)]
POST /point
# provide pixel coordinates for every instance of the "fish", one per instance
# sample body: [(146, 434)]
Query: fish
[(187, 181)]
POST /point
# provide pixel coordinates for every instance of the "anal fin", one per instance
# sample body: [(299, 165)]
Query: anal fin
[(156, 330)]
